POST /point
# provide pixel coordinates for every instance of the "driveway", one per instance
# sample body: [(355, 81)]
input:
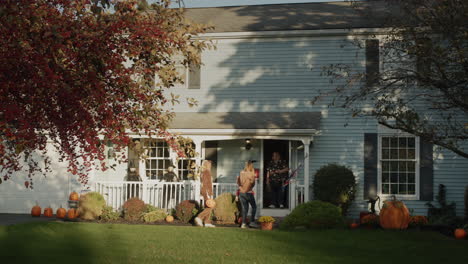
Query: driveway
[(13, 219)]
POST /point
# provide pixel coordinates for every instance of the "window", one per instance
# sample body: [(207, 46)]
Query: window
[(158, 159), (399, 165), (186, 166), (189, 75)]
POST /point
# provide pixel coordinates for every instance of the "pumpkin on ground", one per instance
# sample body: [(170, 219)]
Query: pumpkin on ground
[(36, 210), (61, 212), (72, 214), (394, 215), (74, 196), (354, 225), (460, 233), (48, 212), (169, 218), (210, 203)]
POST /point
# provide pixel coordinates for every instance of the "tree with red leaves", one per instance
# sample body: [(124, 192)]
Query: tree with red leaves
[(77, 73)]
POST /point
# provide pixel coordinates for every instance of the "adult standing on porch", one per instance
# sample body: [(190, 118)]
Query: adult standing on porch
[(277, 171), (246, 182), (207, 192)]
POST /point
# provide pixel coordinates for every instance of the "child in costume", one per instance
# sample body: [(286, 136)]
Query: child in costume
[(204, 218)]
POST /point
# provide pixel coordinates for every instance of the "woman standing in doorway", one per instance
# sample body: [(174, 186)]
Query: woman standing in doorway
[(277, 171)]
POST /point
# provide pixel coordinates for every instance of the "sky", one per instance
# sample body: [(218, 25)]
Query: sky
[(209, 3)]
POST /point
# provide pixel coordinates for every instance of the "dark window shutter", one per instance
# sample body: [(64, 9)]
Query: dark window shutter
[(372, 61), (370, 164), (423, 59), (426, 171), (194, 77)]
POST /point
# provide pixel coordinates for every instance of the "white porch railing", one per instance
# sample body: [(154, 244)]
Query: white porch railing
[(165, 195), (299, 195)]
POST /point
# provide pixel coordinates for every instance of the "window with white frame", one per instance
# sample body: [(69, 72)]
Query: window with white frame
[(399, 165), (158, 158), (187, 166)]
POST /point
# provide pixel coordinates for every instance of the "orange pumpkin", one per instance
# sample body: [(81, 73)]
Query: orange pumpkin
[(48, 212), (61, 212), (460, 233), (354, 225), (74, 196), (169, 218), (210, 203), (72, 213), (394, 215), (240, 220), (36, 210)]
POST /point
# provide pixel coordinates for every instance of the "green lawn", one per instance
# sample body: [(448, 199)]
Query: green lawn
[(117, 243)]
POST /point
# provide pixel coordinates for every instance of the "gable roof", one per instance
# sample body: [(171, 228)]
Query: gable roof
[(276, 17), (246, 120)]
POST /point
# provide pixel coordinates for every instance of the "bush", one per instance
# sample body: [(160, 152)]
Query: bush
[(370, 220), (314, 214), (91, 205), (335, 184), (466, 203), (154, 216), (150, 208), (445, 214), (134, 209), (186, 210), (108, 214), (226, 208)]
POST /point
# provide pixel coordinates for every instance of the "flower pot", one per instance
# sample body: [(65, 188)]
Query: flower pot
[(266, 226)]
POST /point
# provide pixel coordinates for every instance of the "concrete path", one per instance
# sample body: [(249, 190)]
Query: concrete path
[(13, 219)]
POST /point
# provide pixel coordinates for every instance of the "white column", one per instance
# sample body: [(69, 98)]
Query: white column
[(306, 170), (198, 149)]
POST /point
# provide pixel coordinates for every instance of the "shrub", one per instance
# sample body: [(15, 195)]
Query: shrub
[(134, 209), (226, 208), (150, 208), (370, 220), (154, 216), (266, 219), (314, 214), (335, 184), (418, 221), (91, 205), (108, 214), (466, 203), (445, 214), (186, 210)]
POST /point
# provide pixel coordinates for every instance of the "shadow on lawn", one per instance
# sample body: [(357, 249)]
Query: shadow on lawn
[(53, 243)]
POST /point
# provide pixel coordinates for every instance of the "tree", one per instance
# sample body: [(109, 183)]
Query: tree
[(422, 86), (78, 73)]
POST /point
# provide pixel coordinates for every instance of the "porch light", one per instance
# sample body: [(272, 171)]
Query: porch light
[(248, 144)]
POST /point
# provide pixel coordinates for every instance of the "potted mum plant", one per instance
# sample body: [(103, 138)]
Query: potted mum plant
[(266, 222)]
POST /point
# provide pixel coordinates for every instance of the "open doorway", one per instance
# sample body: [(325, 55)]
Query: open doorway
[(269, 147)]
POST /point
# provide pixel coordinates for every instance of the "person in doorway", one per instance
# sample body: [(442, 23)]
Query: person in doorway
[(169, 191), (246, 182), (204, 218), (277, 171)]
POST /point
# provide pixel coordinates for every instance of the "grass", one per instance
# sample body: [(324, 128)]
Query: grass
[(57, 242)]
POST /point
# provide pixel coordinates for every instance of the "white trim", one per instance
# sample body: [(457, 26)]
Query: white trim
[(234, 131), (294, 33), (379, 167)]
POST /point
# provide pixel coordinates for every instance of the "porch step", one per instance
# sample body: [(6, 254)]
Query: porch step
[(275, 212)]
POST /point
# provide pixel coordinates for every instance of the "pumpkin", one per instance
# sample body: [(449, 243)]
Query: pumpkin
[(72, 214), (36, 210), (48, 212), (61, 212), (74, 196), (460, 233), (169, 218), (354, 225), (394, 215), (210, 203), (240, 220)]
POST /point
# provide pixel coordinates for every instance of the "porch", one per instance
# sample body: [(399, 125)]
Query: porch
[(228, 140)]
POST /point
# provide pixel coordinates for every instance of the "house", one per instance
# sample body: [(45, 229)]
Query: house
[(254, 97)]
